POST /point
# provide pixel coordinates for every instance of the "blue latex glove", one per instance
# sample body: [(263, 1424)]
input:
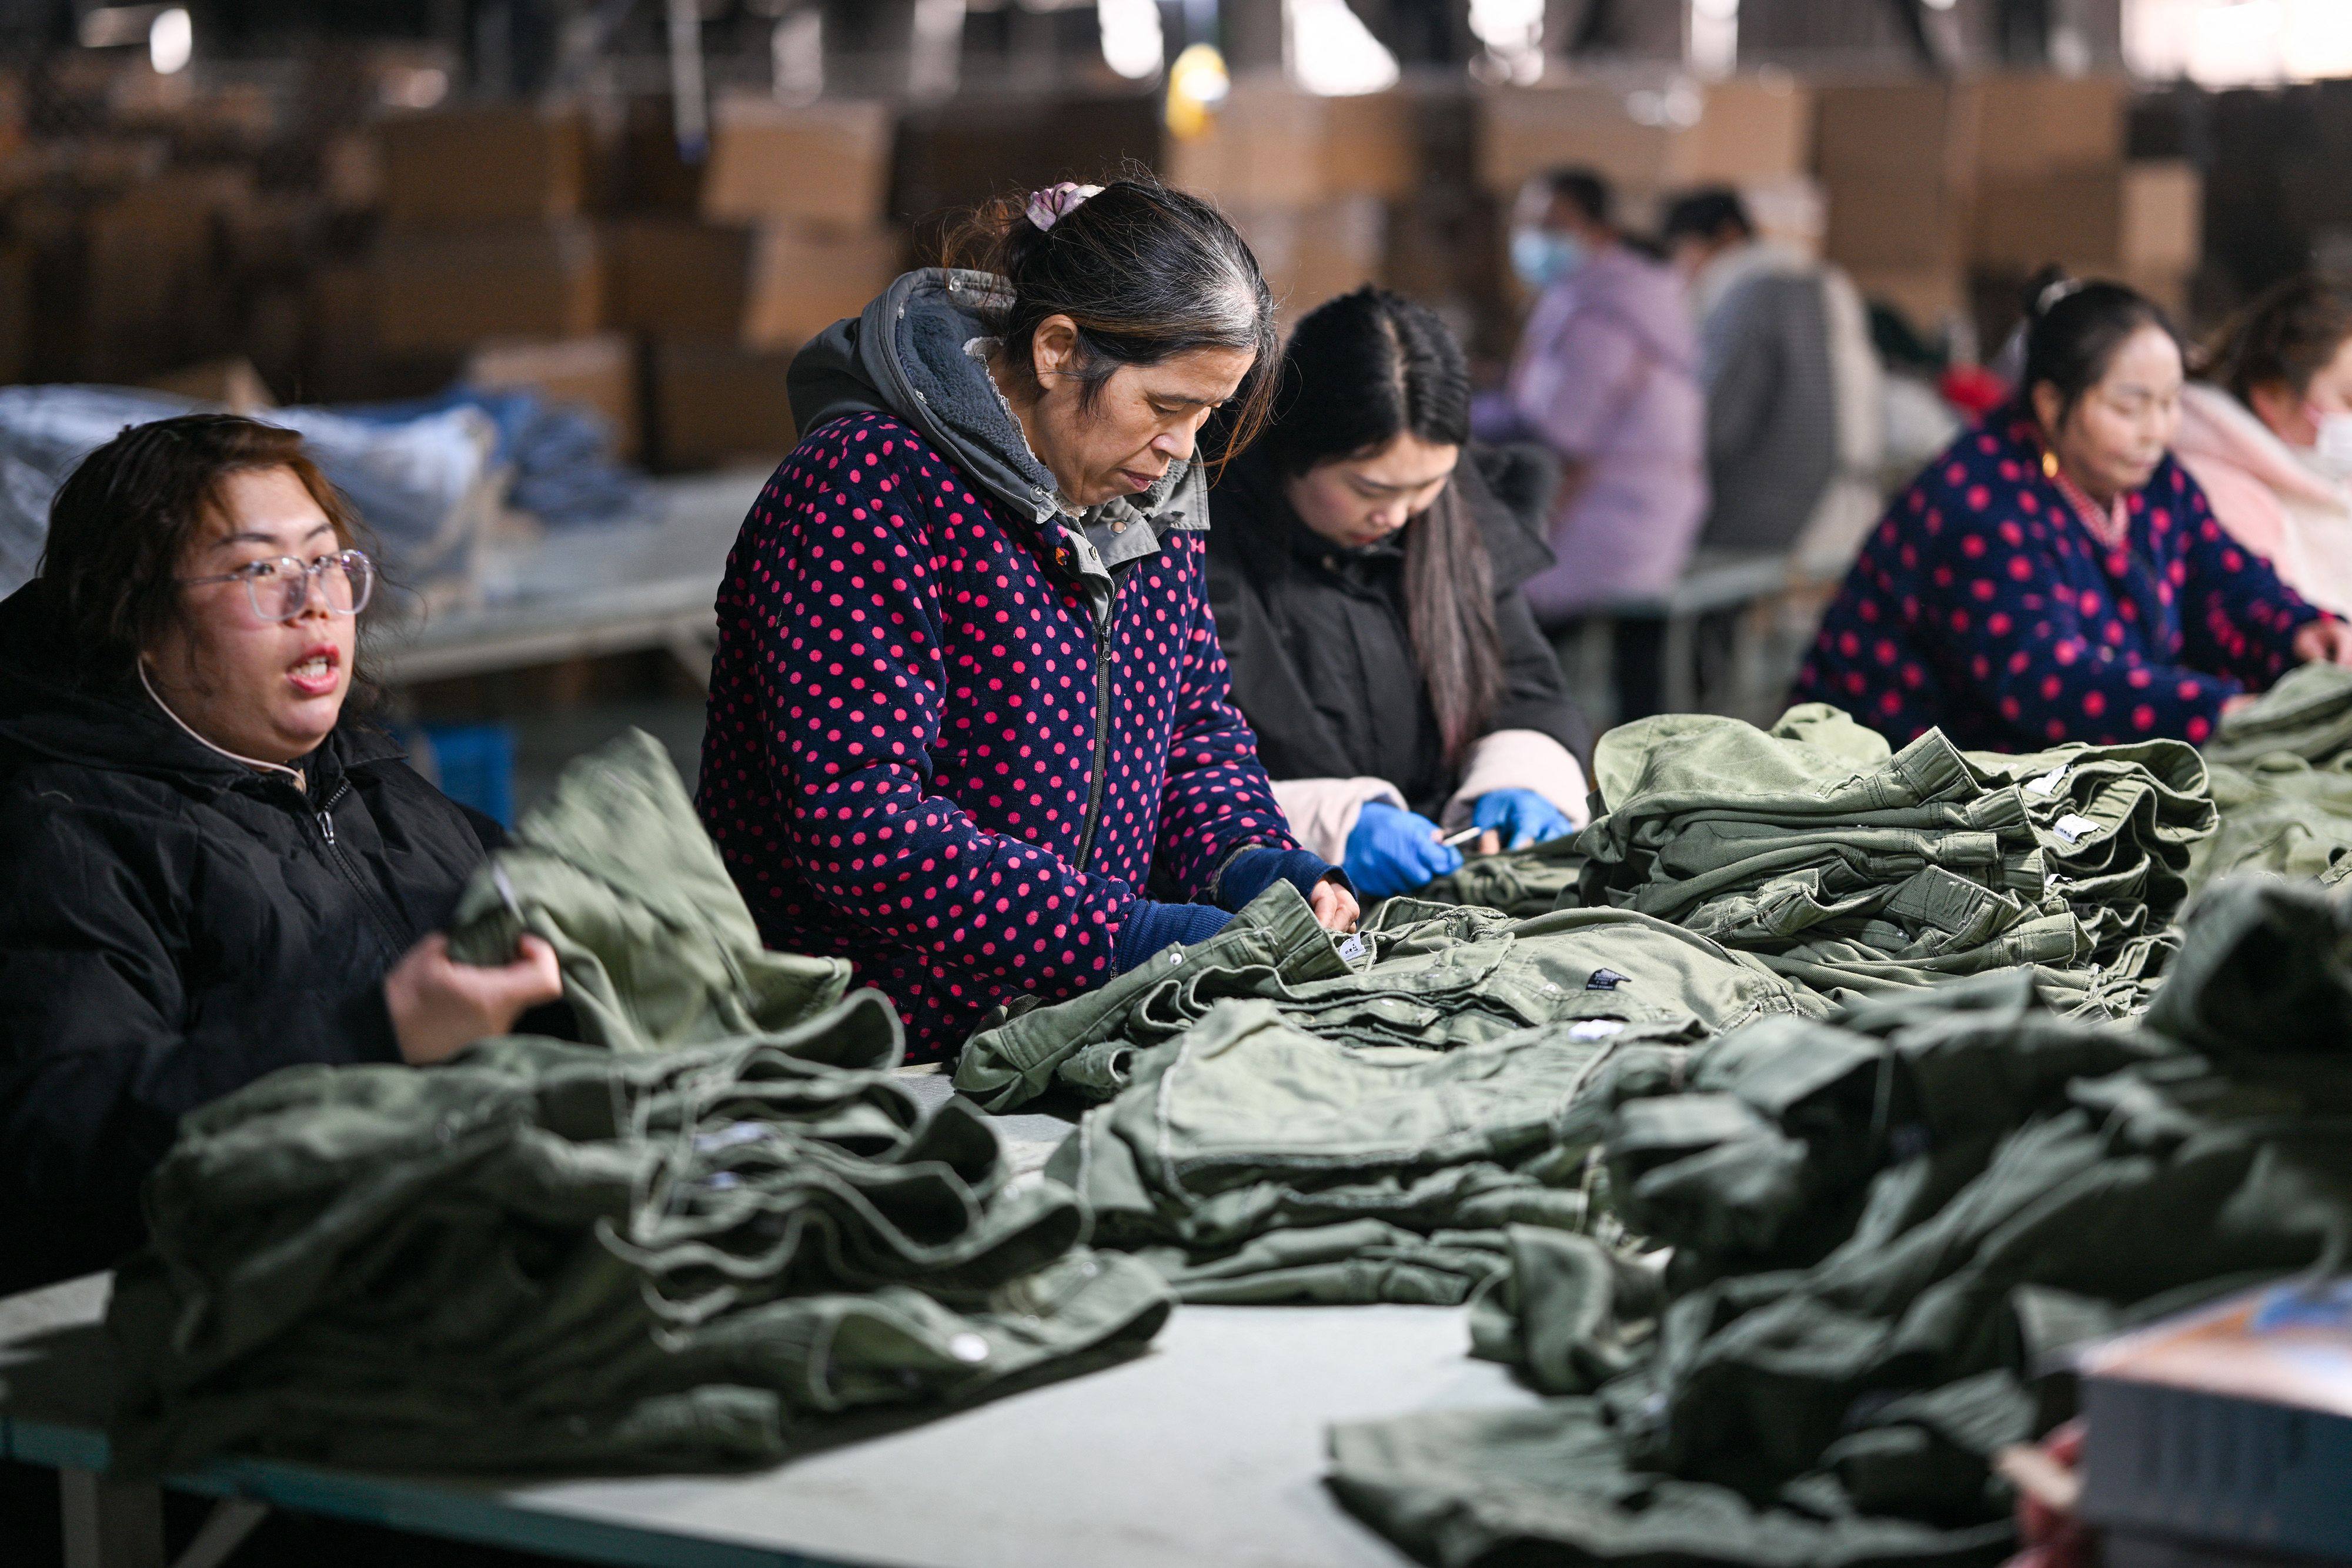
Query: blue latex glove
[(1521, 816), (1394, 850)]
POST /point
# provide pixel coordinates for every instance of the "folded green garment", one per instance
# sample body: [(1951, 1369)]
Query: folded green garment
[(2308, 713), (1250, 1160), (1887, 1227), (1416, 975), (693, 1243), (1858, 870)]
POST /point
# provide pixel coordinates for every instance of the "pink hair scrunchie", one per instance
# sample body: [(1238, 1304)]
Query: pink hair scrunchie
[(1051, 205)]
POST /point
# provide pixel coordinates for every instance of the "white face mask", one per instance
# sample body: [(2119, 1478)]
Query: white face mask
[(2332, 449)]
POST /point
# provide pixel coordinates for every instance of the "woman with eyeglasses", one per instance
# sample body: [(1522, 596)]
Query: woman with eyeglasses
[(208, 869), (2057, 575)]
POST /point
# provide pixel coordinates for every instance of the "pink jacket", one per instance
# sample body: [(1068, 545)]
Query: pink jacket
[(1607, 376), (2273, 501)]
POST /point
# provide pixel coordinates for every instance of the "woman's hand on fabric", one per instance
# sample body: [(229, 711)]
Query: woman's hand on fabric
[(2327, 640), (2239, 703), (1335, 907), (439, 1007), (1393, 851), (1521, 816)]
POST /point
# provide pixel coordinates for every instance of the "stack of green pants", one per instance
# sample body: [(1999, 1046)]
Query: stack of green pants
[(1417, 975), (1862, 871), (1250, 1161), (692, 1244), (2283, 781), (1520, 882), (1885, 1225)]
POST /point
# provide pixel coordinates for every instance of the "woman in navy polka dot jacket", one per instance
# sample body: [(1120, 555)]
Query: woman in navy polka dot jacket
[(969, 722), (2057, 576)]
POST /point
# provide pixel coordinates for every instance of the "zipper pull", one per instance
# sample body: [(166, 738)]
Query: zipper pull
[(327, 827)]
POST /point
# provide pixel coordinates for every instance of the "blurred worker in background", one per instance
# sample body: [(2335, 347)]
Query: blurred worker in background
[(970, 728), (1365, 566), (1794, 402), (2055, 575), (1607, 377), (2269, 437)]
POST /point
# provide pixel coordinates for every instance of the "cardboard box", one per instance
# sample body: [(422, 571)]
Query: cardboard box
[(599, 372), (764, 286), (1894, 223), (828, 162), (720, 404), (2163, 214), (1926, 296), (444, 292), (487, 163), (2142, 217), (1310, 255), (153, 292), (1650, 134), (1270, 144), (231, 384), (2027, 121), (1899, 128), (1264, 148), (2073, 217), (961, 152), (16, 306)]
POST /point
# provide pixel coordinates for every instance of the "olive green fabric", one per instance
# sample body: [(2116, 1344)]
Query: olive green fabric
[(1520, 882), (678, 1252), (658, 948), (2307, 713), (2279, 814), (2283, 781), (1250, 1160), (1884, 1227), (548, 1255), (1416, 975), (1862, 871)]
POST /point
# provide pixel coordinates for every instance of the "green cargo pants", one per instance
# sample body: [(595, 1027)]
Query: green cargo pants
[(1418, 975)]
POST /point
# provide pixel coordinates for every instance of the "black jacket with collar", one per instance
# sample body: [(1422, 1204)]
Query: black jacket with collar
[(1322, 659), (174, 926)]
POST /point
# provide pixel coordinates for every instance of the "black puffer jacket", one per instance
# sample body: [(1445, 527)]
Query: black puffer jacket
[(174, 925), (1323, 666)]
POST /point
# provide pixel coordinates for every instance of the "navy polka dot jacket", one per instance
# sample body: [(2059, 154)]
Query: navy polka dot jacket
[(1983, 606), (900, 757)]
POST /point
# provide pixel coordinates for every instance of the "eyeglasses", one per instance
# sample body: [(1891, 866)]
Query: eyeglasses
[(281, 588)]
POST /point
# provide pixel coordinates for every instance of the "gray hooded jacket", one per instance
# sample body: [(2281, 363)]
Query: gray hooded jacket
[(912, 355)]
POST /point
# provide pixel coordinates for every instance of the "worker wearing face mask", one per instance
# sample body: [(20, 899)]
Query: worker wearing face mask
[(2269, 436), (1607, 377)]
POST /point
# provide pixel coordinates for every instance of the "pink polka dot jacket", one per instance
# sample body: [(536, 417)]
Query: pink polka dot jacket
[(902, 748), (1983, 606)]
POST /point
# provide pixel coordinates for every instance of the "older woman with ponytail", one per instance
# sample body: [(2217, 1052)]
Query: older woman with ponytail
[(969, 725), (1366, 572)]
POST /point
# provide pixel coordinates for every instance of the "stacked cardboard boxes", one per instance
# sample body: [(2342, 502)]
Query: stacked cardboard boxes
[(1940, 189), (485, 231), (790, 235), (1308, 181)]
